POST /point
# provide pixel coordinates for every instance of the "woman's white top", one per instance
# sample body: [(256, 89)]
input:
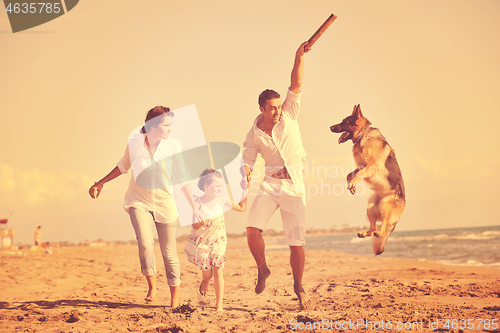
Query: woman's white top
[(153, 176)]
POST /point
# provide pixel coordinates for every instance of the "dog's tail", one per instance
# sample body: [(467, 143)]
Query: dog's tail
[(379, 242)]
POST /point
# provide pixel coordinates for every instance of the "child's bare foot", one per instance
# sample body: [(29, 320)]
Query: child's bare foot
[(203, 287), (261, 280)]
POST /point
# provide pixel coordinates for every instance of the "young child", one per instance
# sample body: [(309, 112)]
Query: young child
[(206, 246)]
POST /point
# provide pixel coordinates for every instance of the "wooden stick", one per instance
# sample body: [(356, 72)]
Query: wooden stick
[(321, 29)]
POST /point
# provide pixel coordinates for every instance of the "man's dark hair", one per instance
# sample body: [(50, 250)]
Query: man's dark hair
[(267, 94)]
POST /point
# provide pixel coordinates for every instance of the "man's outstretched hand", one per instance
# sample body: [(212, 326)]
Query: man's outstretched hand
[(303, 49)]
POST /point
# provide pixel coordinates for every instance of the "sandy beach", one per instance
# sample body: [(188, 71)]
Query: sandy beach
[(101, 289)]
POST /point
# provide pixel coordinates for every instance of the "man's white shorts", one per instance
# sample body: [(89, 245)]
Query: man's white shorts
[(291, 200)]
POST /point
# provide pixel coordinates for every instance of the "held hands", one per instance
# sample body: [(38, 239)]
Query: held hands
[(201, 222), (245, 182), (198, 225), (197, 215), (198, 218), (95, 190)]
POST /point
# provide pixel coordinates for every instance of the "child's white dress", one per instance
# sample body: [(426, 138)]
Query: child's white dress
[(206, 246)]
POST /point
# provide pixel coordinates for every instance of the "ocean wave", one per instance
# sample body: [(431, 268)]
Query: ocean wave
[(358, 240), (476, 236), (493, 232), (486, 235), (419, 238)]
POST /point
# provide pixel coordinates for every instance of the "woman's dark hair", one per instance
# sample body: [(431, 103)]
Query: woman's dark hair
[(155, 117), (206, 178)]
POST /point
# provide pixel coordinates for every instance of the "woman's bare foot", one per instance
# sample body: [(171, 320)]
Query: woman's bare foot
[(174, 294), (151, 288), (261, 280), (174, 303), (151, 295), (203, 287)]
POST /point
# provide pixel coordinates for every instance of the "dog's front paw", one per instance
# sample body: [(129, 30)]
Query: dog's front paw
[(362, 234), (378, 234), (352, 187)]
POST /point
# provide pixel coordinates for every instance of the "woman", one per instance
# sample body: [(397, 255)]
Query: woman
[(156, 161)]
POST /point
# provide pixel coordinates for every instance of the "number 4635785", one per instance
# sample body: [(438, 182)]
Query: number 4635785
[(34, 8), (471, 324)]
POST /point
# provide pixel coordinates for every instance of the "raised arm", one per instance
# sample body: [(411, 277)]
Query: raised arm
[(298, 68)]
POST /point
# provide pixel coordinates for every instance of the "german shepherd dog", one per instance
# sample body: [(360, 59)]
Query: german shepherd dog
[(377, 165)]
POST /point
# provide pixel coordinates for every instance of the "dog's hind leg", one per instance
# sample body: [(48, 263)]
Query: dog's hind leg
[(373, 215), (390, 211), (379, 242)]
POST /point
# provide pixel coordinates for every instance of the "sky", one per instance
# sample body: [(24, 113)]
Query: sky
[(426, 73)]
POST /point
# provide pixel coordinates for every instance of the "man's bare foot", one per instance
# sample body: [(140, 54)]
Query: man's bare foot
[(151, 295), (203, 288), (304, 300), (261, 280)]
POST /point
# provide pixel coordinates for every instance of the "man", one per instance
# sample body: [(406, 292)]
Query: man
[(275, 135)]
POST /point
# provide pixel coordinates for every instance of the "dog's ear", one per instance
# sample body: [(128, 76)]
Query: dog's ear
[(354, 109), (357, 111)]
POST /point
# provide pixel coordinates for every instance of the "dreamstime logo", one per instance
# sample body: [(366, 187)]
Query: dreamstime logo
[(28, 14)]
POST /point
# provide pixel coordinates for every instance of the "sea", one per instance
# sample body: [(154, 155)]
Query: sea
[(478, 246)]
